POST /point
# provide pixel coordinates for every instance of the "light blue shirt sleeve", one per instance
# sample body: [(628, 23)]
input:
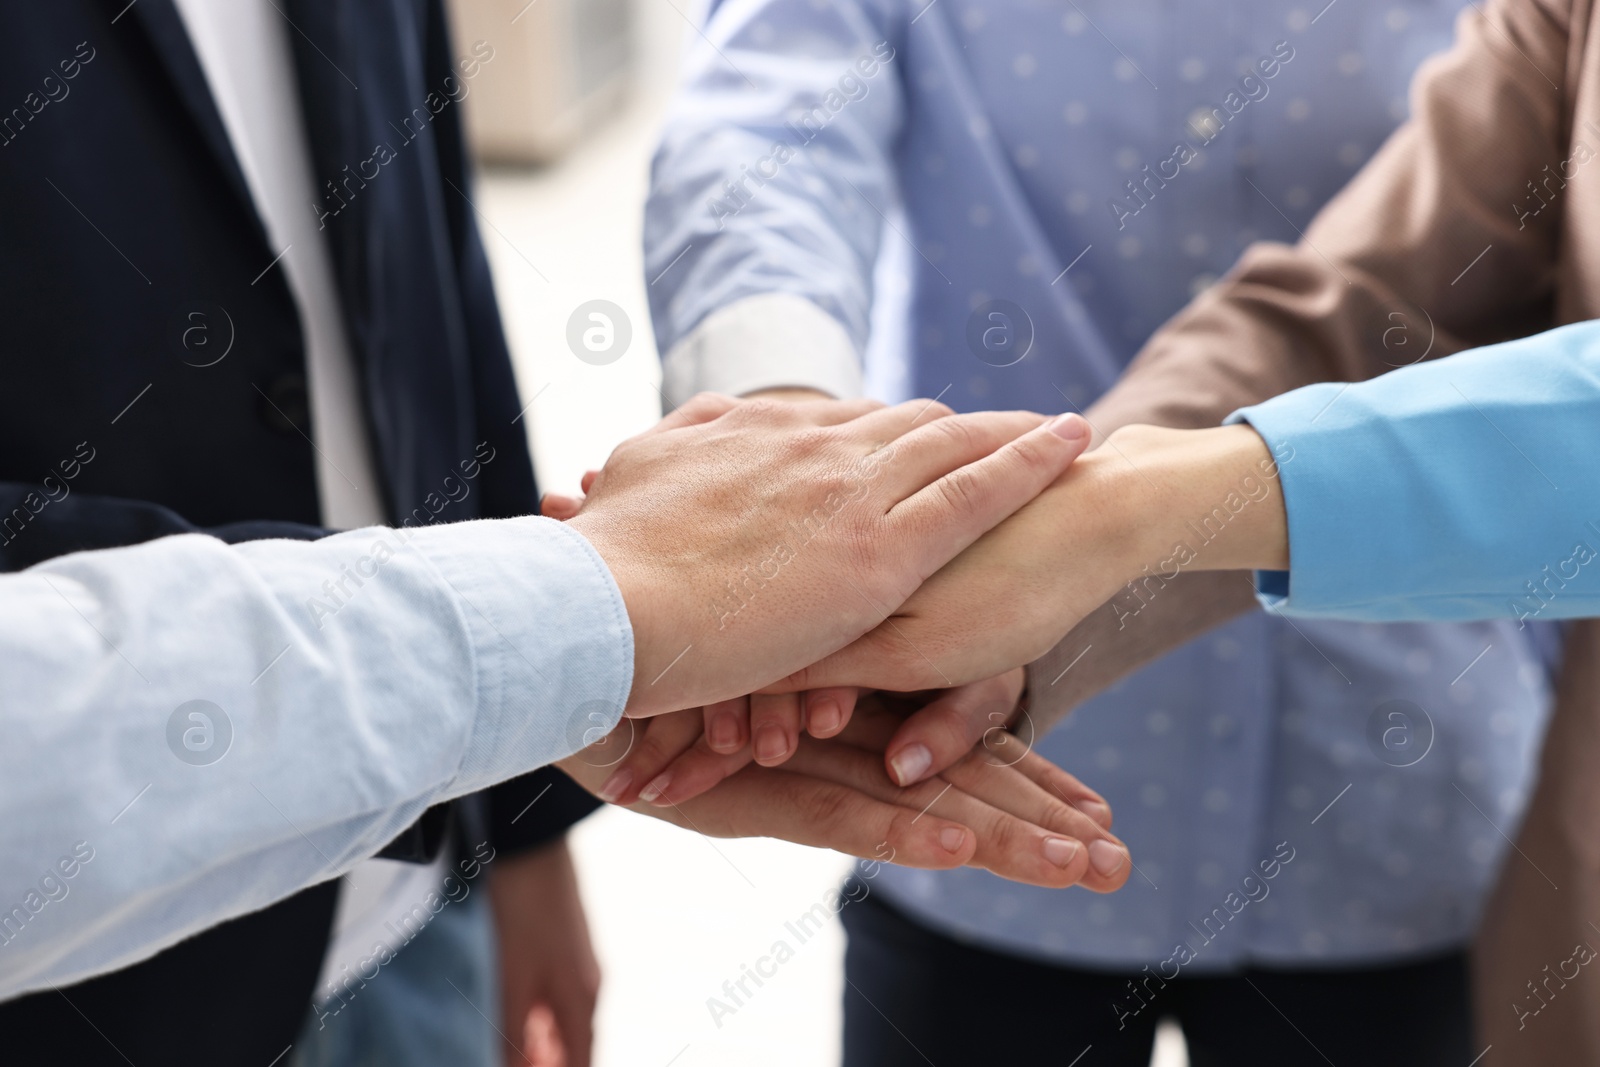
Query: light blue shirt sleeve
[(774, 176), (195, 730), (1463, 488)]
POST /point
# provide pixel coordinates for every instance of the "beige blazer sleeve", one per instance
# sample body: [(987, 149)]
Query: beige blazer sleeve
[(1432, 248), (1479, 220)]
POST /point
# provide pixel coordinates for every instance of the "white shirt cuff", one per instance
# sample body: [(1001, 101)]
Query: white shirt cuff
[(763, 342)]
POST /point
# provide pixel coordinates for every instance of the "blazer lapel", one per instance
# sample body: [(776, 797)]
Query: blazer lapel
[(170, 38)]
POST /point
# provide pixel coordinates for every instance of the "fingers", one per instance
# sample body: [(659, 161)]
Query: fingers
[(937, 447), (758, 802), (774, 727), (889, 423), (693, 773), (1007, 845), (948, 727), (541, 1041), (673, 761), (947, 516), (587, 482), (727, 724), (560, 506), (705, 407), (1072, 811), (1058, 782), (698, 409), (657, 743), (827, 711)]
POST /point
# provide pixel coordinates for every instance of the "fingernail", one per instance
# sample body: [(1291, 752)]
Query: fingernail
[(725, 733), (771, 743), (1070, 427), (1060, 851), (649, 793), (910, 764), (616, 785), (1097, 811), (1106, 858), (825, 716), (952, 838)]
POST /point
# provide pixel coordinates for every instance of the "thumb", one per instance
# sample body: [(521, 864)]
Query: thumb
[(947, 728)]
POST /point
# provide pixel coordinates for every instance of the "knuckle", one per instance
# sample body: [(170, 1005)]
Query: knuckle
[(1028, 453), (1065, 818), (833, 808), (953, 732), (961, 491), (959, 432), (705, 405), (765, 410), (811, 442), (1004, 836), (899, 830)]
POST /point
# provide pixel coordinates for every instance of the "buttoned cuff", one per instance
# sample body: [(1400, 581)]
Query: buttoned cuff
[(770, 341)]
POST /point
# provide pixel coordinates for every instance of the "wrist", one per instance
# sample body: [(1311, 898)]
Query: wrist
[(1195, 500), (632, 577)]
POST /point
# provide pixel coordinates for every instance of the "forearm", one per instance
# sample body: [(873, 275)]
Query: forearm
[(224, 726), (1456, 489), (1194, 506), (1106, 646)]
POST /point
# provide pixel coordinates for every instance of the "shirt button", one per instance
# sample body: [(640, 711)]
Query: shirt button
[(285, 405)]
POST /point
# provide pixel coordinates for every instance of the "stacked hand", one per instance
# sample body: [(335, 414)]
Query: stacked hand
[(713, 767), (751, 539), (998, 807)]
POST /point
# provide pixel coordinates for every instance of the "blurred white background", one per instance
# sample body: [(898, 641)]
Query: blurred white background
[(674, 914)]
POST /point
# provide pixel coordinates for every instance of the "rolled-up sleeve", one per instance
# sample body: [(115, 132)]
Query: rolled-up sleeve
[(196, 730), (1463, 488), (767, 196)]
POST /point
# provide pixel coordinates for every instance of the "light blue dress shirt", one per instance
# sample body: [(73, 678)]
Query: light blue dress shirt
[(849, 180), (1465, 488), (195, 730)]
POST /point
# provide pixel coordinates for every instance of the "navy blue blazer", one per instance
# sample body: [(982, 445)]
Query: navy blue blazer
[(153, 381)]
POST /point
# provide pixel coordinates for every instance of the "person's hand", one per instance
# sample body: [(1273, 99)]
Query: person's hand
[(564, 506), (1009, 812), (672, 761), (1130, 515), (750, 539), (549, 977)]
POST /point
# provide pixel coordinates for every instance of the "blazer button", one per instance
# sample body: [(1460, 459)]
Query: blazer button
[(284, 406)]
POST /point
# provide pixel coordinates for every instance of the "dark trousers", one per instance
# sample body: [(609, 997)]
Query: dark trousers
[(914, 997)]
